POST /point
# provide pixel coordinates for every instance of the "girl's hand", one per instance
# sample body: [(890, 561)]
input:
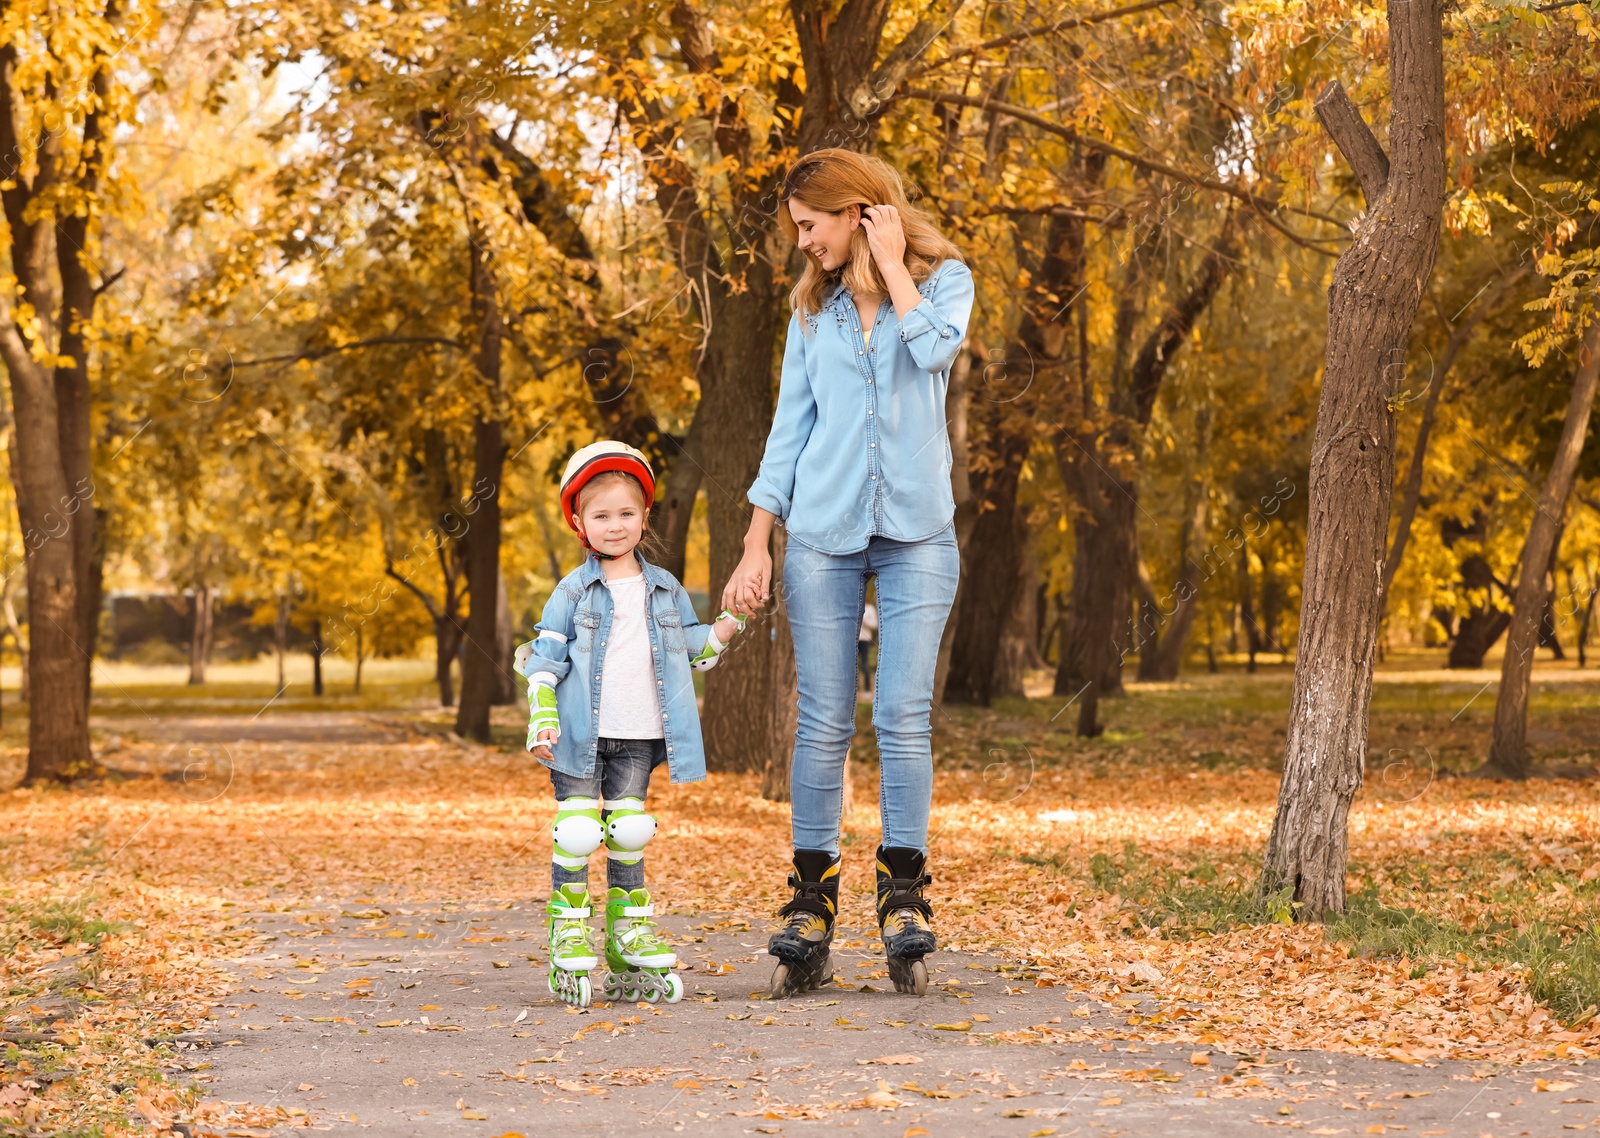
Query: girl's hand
[(747, 590), (886, 236), (542, 751)]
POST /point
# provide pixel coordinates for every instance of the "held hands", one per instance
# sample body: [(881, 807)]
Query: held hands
[(747, 590)]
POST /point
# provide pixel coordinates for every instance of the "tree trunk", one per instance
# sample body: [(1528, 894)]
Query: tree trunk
[(1005, 428), (504, 636), (58, 727), (446, 646), (989, 576), (1102, 475), (1377, 287), (1412, 495), (316, 657), (200, 636), (1588, 615), (956, 403), (1476, 632), (1018, 650), (674, 508), (280, 637), (483, 664), (360, 655), (1104, 563), (1161, 653), (1508, 753), (480, 660), (742, 721), (1247, 609)]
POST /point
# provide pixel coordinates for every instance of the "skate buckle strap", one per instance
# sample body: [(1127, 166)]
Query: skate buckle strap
[(904, 893), (637, 911), (808, 898), (571, 914)]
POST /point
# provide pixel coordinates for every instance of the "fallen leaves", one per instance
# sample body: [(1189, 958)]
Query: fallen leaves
[(345, 820)]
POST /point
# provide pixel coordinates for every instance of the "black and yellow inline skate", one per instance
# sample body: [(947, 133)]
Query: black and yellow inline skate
[(802, 945), (904, 916)]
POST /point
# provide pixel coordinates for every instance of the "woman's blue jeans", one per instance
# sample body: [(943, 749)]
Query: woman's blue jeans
[(825, 594)]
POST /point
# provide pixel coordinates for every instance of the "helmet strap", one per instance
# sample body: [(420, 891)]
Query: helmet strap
[(583, 537)]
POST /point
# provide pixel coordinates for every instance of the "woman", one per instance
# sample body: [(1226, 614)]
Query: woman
[(857, 466)]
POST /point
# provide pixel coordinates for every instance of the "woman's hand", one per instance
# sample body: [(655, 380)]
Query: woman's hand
[(747, 590), (886, 237)]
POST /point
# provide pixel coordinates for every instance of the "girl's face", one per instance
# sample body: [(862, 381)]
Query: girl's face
[(612, 517), (825, 236)]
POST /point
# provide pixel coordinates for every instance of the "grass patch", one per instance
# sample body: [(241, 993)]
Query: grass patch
[(1560, 963), (71, 923)]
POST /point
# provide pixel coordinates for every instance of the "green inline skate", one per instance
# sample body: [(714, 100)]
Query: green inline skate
[(572, 953), (640, 963), (904, 916), (802, 945)]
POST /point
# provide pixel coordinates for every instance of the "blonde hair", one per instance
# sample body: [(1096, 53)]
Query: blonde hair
[(834, 179)]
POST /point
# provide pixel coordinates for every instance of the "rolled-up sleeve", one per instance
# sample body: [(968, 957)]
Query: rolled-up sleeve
[(934, 329), (548, 658), (773, 488)]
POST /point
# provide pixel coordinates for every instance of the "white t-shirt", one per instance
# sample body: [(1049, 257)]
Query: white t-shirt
[(630, 707), (869, 622)]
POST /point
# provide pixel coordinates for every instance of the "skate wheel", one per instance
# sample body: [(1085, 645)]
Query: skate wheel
[(651, 996), (909, 976), (674, 988), (780, 982), (585, 992)]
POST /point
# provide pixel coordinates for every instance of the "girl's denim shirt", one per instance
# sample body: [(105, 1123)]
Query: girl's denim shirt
[(859, 447), (570, 650)]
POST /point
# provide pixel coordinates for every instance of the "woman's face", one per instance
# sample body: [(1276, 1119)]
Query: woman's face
[(825, 236)]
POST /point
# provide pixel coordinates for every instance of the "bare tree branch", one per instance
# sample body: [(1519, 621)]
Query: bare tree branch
[(1033, 33), (1350, 133), (1023, 114)]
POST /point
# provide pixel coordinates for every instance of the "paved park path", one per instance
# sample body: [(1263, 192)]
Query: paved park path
[(348, 1018)]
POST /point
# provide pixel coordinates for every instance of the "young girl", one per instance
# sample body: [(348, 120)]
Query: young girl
[(611, 696)]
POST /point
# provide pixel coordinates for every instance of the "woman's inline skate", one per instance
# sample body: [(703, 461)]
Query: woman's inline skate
[(802, 945), (904, 916)]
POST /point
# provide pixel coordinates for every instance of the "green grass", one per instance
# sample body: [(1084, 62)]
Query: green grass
[(1561, 962)]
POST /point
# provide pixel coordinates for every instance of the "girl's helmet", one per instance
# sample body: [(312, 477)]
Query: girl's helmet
[(598, 458)]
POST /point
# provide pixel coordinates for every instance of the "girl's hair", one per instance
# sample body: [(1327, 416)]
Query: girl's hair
[(832, 180), (654, 549)]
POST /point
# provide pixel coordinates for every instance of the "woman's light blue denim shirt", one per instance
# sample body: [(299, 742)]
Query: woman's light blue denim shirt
[(570, 652), (859, 446)]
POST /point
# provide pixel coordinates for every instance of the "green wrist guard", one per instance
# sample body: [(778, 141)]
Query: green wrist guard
[(541, 713)]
